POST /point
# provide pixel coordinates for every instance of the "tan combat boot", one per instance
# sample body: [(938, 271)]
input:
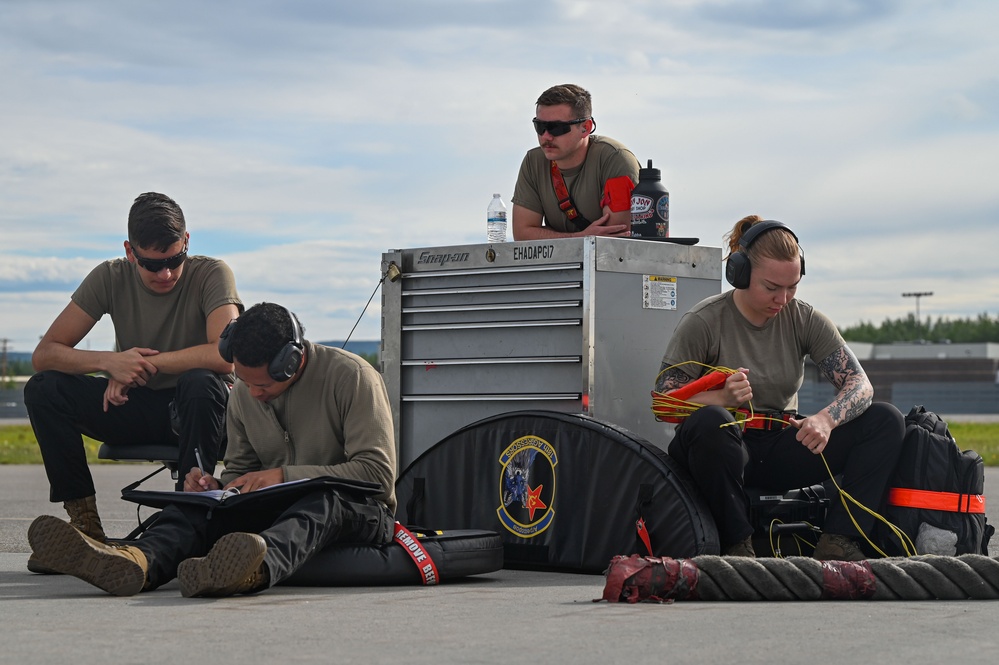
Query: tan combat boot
[(84, 516), (234, 565), (742, 548), (835, 547), (118, 570)]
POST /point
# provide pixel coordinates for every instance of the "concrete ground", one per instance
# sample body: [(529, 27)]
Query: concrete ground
[(504, 617)]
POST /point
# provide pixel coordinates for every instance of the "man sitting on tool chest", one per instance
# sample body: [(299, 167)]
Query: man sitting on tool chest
[(574, 183)]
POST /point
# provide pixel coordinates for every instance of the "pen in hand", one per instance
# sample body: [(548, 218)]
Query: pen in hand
[(197, 456)]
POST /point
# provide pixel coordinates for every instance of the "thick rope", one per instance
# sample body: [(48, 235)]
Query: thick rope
[(927, 577)]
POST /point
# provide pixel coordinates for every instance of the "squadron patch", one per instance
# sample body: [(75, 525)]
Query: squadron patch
[(527, 486)]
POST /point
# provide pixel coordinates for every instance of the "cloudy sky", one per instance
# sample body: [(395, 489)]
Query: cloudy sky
[(304, 139)]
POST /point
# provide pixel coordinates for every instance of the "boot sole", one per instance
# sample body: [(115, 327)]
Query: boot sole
[(66, 550), (231, 560), (35, 565)]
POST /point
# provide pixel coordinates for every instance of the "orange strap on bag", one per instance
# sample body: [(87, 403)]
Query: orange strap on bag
[(951, 502)]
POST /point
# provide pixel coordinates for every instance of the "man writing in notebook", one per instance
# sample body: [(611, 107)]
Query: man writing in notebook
[(297, 411), (574, 183)]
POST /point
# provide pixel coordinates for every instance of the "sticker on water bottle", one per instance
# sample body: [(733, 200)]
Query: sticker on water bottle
[(658, 292), (641, 207), (662, 207)]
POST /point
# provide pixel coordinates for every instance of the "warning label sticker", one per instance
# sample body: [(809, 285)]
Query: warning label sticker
[(658, 292)]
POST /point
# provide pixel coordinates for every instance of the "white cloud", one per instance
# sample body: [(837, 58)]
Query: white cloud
[(305, 139)]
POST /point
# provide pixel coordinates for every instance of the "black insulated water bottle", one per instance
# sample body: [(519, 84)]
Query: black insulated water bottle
[(649, 205)]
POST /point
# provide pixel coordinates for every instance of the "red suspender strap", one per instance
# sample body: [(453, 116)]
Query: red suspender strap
[(562, 192), (951, 502), (424, 564)]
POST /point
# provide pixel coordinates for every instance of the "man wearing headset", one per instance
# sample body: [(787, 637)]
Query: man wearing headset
[(760, 330), (574, 183), (297, 411)]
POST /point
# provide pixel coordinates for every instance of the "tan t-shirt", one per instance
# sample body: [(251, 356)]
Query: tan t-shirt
[(605, 159), (715, 333), (165, 322)]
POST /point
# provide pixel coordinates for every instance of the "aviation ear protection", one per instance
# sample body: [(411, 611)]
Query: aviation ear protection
[(284, 365), (738, 268)]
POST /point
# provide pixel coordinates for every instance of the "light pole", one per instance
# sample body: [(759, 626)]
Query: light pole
[(917, 295)]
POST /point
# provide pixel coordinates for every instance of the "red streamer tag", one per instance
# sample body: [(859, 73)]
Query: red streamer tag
[(643, 533), (424, 564)]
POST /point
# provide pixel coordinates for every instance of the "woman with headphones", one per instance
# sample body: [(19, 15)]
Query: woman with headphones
[(748, 433)]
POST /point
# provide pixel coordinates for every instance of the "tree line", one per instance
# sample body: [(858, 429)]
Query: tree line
[(19, 368), (982, 328)]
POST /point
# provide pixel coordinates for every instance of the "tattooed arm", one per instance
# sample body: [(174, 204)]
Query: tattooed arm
[(735, 391), (671, 379), (854, 393)]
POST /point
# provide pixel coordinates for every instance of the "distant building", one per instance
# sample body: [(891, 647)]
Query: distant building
[(945, 378), (950, 379)]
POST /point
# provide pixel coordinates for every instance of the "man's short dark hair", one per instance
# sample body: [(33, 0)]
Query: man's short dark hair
[(155, 222), (568, 93), (260, 333)]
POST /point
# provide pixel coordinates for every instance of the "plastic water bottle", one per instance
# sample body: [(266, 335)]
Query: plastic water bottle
[(496, 220)]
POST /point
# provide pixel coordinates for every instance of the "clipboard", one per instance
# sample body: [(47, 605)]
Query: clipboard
[(282, 493)]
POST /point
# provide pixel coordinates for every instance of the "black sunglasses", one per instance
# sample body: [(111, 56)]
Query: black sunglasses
[(156, 265), (556, 127)]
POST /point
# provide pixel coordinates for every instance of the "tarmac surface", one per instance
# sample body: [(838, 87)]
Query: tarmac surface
[(503, 617)]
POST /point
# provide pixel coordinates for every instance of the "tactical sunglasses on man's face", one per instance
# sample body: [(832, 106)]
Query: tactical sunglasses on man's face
[(556, 127), (156, 265)]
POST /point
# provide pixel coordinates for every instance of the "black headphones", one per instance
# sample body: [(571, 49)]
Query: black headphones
[(738, 269), (284, 365)]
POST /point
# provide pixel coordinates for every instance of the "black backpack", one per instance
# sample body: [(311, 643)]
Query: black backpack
[(937, 496)]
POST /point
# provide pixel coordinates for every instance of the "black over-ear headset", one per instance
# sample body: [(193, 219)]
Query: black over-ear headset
[(284, 365), (738, 269)]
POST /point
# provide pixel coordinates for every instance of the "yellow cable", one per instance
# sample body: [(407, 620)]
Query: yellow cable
[(907, 545), (665, 406), (712, 368), (798, 540)]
